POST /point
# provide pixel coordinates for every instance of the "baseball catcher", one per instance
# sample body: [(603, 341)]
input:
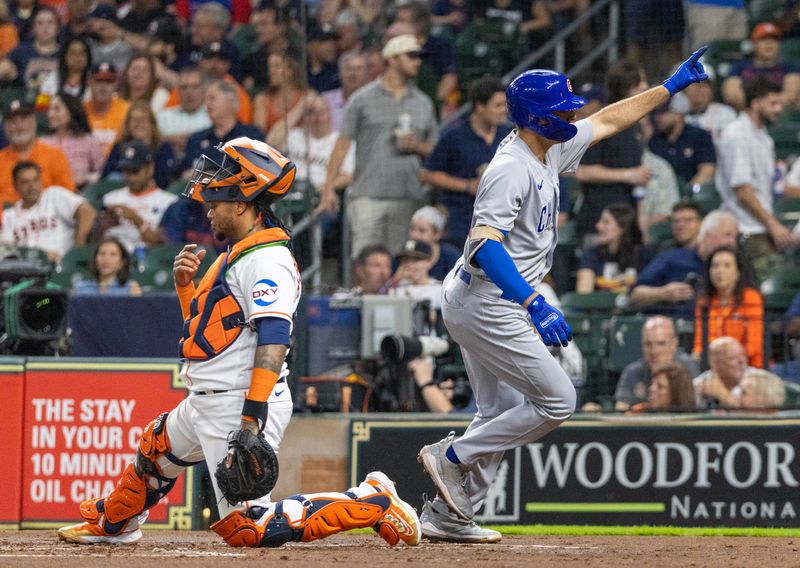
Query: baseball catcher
[(236, 334)]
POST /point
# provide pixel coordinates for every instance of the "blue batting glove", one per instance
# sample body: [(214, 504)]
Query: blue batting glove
[(690, 71), (549, 322)]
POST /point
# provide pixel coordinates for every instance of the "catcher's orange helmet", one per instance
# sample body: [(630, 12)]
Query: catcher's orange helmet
[(248, 169)]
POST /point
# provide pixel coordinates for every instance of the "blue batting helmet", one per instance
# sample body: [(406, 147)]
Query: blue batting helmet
[(534, 95)]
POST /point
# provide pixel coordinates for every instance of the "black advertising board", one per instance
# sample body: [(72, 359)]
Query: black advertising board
[(723, 472)]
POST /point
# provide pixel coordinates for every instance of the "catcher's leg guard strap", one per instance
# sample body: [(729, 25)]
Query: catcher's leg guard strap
[(330, 517)]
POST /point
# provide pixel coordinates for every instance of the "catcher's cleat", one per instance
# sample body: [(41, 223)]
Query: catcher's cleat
[(442, 525), (451, 479), (400, 521), (93, 533)]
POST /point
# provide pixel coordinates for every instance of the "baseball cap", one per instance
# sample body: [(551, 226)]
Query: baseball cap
[(135, 154), (321, 33), (105, 12), (416, 249), (166, 30), (104, 70), (406, 43), (216, 49), (18, 107), (764, 30), (591, 92)]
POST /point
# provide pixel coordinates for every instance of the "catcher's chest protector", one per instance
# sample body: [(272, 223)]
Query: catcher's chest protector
[(215, 317)]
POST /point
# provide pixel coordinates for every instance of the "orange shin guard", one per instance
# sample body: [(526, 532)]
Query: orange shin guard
[(128, 498), (238, 530), (341, 516)]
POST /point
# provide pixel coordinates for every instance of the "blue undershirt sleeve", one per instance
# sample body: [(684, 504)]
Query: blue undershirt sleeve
[(495, 261), (273, 331)]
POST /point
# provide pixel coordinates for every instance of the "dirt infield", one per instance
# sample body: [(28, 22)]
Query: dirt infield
[(203, 549)]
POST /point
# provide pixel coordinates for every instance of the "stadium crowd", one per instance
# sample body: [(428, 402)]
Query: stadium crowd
[(684, 228)]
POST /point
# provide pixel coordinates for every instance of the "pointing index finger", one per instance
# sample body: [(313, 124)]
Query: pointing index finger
[(698, 54)]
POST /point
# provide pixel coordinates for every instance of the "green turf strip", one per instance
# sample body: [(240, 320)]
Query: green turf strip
[(577, 530)]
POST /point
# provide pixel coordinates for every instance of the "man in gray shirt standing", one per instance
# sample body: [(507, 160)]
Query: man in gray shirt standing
[(745, 176), (394, 127)]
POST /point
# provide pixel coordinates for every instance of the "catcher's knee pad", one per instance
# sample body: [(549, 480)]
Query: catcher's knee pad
[(237, 529), (330, 517)]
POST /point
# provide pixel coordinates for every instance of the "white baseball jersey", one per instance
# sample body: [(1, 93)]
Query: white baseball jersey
[(266, 283), (48, 225), (150, 205), (518, 195)]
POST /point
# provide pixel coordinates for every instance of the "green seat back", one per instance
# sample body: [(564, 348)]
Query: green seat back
[(94, 192), (74, 266), (625, 341)]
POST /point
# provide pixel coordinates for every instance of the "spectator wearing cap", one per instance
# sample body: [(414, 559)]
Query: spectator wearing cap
[(353, 76), (272, 36), (107, 38), (688, 149), (31, 61), (215, 64), (222, 104), (701, 110), (20, 129), (462, 153), (322, 71), (176, 124), (140, 124), (52, 218), (394, 127), (412, 277), (106, 112), (139, 82), (284, 103), (439, 80), (765, 63), (209, 24), (133, 213)]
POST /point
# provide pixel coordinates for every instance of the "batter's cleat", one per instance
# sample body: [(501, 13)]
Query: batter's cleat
[(400, 521), (446, 527), (93, 533), (450, 479)]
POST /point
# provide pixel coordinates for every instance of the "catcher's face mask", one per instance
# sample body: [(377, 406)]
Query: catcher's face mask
[(248, 169)]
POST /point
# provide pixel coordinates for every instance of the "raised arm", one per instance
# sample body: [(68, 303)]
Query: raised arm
[(621, 115)]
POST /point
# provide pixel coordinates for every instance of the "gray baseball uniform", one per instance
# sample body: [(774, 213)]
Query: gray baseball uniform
[(521, 391)]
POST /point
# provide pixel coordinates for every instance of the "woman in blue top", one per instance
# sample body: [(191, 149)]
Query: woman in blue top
[(109, 269), (140, 124)]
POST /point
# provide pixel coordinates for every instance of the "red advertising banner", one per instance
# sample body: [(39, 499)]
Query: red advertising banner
[(83, 421), (12, 374)]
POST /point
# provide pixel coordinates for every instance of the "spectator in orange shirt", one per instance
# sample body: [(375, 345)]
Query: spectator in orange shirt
[(20, 127), (215, 63), (106, 112), (8, 31), (730, 306)]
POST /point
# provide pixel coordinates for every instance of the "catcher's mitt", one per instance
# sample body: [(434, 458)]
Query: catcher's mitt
[(250, 470)]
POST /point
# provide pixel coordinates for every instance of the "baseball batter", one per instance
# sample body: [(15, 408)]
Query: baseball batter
[(490, 304), (237, 328)]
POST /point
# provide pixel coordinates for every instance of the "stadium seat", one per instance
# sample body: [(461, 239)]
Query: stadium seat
[(785, 279), (74, 266), (245, 40), (792, 394), (660, 235), (707, 197), (155, 273), (725, 51), (764, 10), (488, 47), (787, 209), (8, 94), (33, 254), (787, 139), (94, 192), (790, 50), (594, 302), (625, 341)]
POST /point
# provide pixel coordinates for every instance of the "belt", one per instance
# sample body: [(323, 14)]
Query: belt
[(204, 393), (465, 276)]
